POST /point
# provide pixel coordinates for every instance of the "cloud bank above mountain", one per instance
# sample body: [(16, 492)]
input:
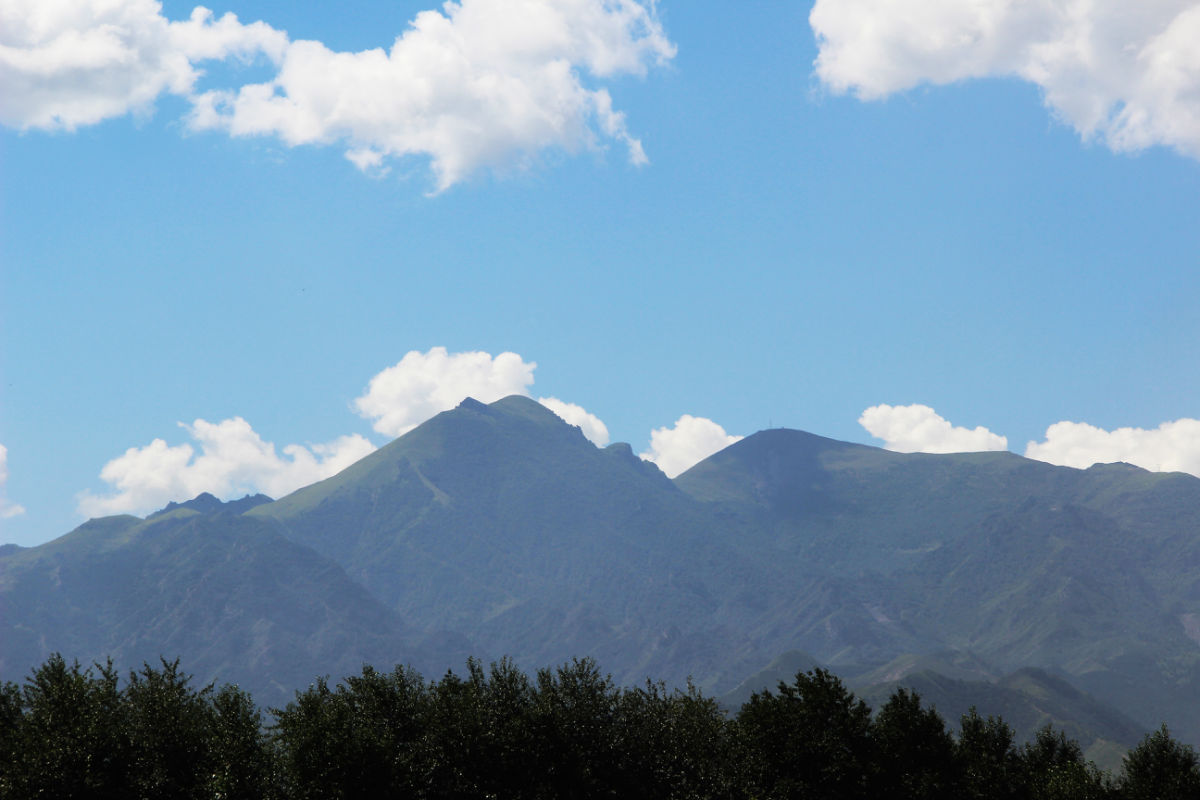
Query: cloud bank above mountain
[(1125, 74), (229, 458), (689, 441), (421, 385), (1171, 447), (591, 425), (232, 460), (479, 84), (919, 429)]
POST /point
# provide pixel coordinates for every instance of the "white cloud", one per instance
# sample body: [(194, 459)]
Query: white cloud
[(233, 460), (1171, 447), (691, 440), (7, 509), (481, 83), (66, 63), (919, 429), (421, 385), (478, 84), (595, 430), (1127, 73)]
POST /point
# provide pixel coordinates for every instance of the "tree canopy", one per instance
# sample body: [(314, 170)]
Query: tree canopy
[(495, 732)]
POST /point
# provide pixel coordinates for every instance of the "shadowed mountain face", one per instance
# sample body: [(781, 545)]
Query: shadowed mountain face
[(500, 529), (1092, 572), (954, 682), (228, 595)]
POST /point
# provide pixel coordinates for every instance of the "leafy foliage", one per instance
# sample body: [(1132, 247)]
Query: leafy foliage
[(811, 739), (494, 732), (1161, 768)]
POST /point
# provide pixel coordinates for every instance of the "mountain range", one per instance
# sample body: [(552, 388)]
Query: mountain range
[(500, 529)]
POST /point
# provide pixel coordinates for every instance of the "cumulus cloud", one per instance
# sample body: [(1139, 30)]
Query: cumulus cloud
[(7, 509), (481, 83), (229, 458), (421, 385), (232, 460), (919, 429), (1171, 447), (689, 441), (67, 63), (1125, 73), (590, 424), (477, 84)]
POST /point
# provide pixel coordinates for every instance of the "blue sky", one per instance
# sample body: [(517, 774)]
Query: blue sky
[(953, 237)]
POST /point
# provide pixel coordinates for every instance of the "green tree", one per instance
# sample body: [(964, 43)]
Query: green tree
[(361, 740), (575, 721), (169, 725), (1160, 768), (11, 722), (71, 741), (508, 752), (916, 752), (312, 735), (812, 739), (456, 736), (240, 754), (988, 756), (675, 745), (386, 713), (1055, 769)]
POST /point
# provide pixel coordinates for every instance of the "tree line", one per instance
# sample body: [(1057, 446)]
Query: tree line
[(496, 732)]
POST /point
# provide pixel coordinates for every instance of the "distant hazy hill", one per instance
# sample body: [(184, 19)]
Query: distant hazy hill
[(1092, 572), (1028, 700), (954, 683), (225, 593), (501, 529)]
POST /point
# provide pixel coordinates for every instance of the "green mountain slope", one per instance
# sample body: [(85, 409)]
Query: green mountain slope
[(228, 595), (504, 523), (503, 526), (1093, 572)]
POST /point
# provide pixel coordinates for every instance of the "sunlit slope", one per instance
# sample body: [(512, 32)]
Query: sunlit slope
[(505, 523)]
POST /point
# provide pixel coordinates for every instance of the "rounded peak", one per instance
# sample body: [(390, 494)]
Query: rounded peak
[(523, 406), (517, 401)]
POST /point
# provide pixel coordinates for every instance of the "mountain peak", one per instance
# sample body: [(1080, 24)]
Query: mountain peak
[(526, 407), (206, 503), (470, 404), (518, 405)]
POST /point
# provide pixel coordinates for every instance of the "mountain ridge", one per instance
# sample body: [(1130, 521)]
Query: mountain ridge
[(502, 529)]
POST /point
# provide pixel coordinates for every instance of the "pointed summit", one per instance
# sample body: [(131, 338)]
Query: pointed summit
[(206, 503), (495, 520)]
